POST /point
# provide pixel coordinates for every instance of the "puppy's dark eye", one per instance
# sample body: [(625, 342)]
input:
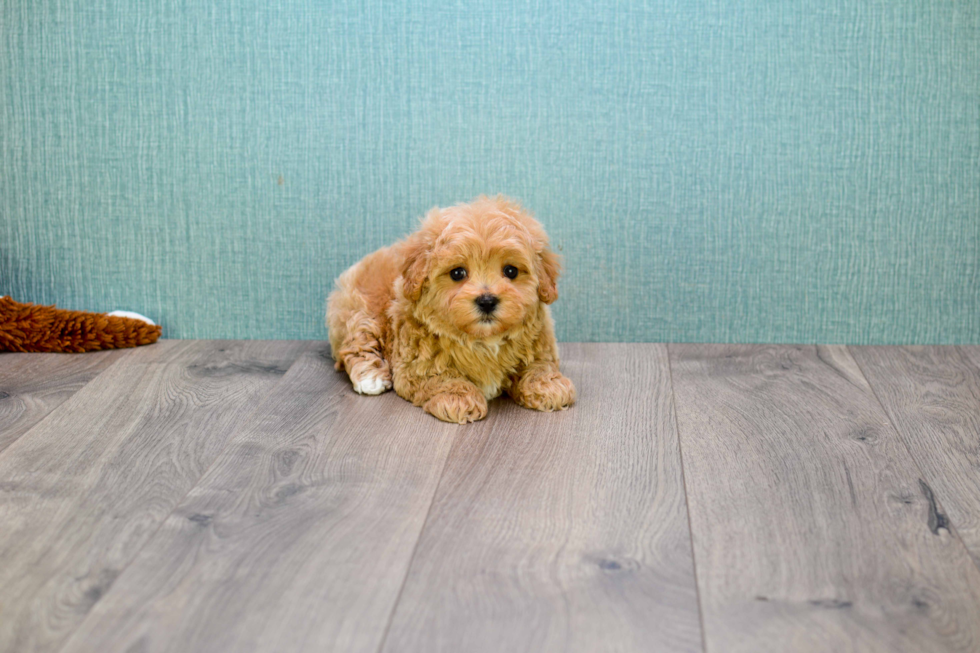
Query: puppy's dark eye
[(510, 272), (457, 274)]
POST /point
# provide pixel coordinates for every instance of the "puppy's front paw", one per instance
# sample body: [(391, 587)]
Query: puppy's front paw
[(457, 408), (547, 392), (371, 378)]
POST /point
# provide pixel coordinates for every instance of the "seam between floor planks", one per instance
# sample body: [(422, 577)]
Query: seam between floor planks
[(415, 549), (687, 500), (922, 475)]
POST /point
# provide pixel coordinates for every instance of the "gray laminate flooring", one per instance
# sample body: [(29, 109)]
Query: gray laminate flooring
[(238, 496)]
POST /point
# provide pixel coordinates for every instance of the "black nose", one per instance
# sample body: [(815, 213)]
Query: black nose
[(487, 302)]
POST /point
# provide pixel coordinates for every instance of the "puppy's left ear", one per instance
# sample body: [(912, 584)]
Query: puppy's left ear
[(549, 267)]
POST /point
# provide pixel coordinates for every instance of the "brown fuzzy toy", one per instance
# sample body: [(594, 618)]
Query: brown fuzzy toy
[(34, 328)]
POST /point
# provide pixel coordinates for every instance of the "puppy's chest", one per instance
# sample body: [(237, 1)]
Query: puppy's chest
[(488, 366)]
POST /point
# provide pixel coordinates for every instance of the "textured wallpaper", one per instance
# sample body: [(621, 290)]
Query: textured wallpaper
[(751, 171)]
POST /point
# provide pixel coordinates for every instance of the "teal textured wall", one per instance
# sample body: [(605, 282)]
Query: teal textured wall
[(751, 171)]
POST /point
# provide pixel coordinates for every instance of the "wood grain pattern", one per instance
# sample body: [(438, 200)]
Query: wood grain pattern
[(84, 490), (563, 531), (298, 538), (813, 529), (932, 395), (32, 385), (194, 496)]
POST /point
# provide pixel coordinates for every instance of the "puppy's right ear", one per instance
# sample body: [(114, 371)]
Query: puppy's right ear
[(418, 250), (415, 268)]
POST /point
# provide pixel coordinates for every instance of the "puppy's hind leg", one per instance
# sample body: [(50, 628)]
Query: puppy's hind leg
[(355, 315), (360, 354)]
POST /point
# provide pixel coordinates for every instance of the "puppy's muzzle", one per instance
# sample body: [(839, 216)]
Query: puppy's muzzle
[(487, 303)]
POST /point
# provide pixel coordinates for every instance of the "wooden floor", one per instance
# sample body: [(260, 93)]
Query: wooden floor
[(238, 496)]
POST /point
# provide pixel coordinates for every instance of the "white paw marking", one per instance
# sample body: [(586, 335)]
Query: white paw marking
[(130, 314), (373, 383)]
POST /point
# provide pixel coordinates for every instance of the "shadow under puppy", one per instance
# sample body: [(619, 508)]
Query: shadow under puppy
[(455, 314)]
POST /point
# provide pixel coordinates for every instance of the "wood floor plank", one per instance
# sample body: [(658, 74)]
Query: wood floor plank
[(813, 529), (563, 531), (32, 385), (932, 395), (297, 539), (83, 491), (971, 352)]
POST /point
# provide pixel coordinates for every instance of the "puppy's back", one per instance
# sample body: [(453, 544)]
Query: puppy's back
[(363, 293)]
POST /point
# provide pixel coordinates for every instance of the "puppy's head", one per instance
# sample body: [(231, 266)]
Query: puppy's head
[(479, 268)]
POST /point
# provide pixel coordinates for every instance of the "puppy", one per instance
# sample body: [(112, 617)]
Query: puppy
[(455, 314)]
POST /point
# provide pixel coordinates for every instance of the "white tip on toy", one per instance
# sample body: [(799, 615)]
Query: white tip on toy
[(130, 314)]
